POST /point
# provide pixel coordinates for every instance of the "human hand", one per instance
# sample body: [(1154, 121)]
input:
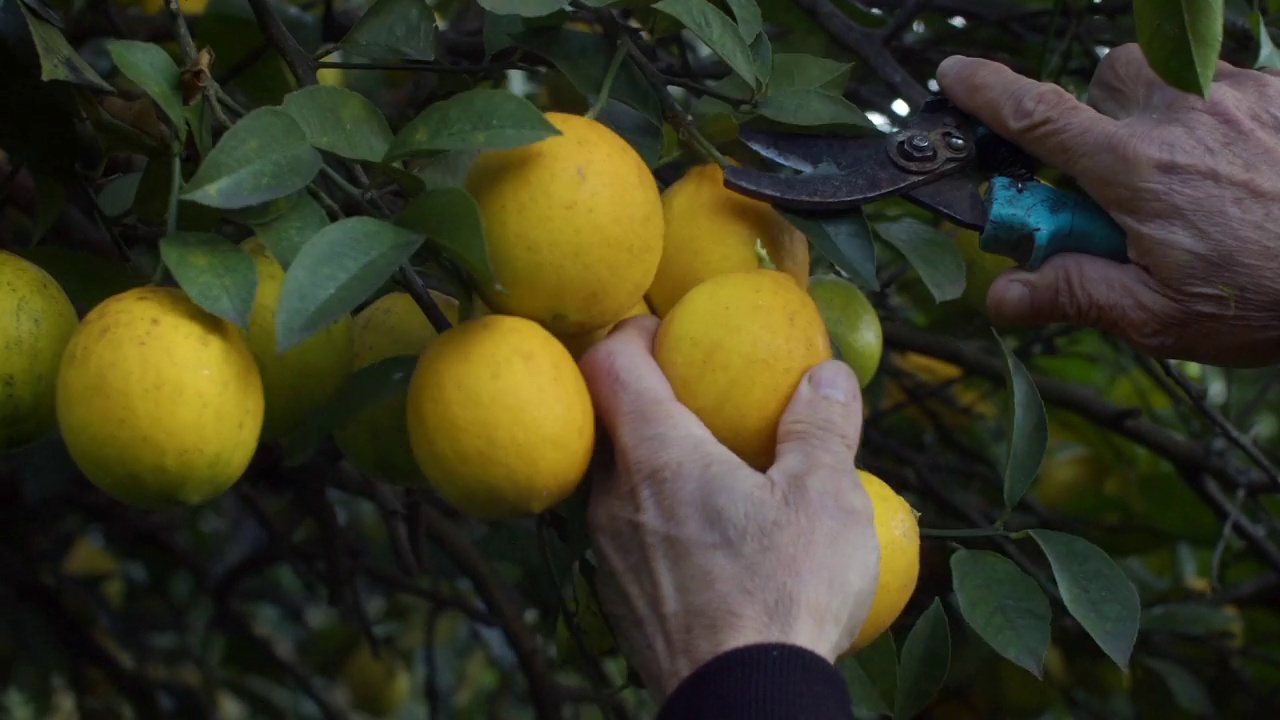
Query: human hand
[(1195, 185), (701, 554)]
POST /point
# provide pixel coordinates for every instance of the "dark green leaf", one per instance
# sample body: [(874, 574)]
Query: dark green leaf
[(523, 8), (1028, 429), (584, 58), (931, 252), (1268, 56), (797, 70), (747, 13), (1096, 592), (1004, 606), (153, 70), (394, 29), (116, 197), (879, 661), (811, 106), (87, 279), (51, 198), (845, 240), (200, 121), (336, 270), (264, 212), (450, 219), (498, 31), (1181, 40), (762, 56), (58, 60), (480, 119), (926, 656), (262, 157), (714, 28), (340, 121), (866, 698), (446, 169), (285, 235), (645, 137), (1191, 619), (216, 273), (1187, 689)]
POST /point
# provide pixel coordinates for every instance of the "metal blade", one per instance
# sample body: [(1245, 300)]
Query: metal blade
[(955, 197), (813, 153)]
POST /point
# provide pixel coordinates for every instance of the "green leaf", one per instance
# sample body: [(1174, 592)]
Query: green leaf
[(1191, 619), (1268, 56), (879, 661), (1028, 428), (393, 29), (811, 107), (1181, 40), (931, 252), (1187, 689), (797, 70), (262, 157), (523, 8), (340, 121), (215, 273), (450, 218), (1096, 592), (58, 60), (285, 235), (51, 198), (866, 698), (926, 656), (480, 119), (116, 197), (263, 212), (336, 270), (88, 279), (747, 13), (1004, 606), (762, 57), (584, 59), (714, 28), (446, 169), (153, 70), (200, 121), (844, 239)]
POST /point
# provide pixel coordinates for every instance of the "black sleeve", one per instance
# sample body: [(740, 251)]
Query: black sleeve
[(761, 682)]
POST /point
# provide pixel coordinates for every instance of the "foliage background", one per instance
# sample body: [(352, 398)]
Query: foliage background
[(1155, 476)]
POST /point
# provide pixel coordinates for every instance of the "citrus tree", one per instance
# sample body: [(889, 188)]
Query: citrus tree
[(291, 294)]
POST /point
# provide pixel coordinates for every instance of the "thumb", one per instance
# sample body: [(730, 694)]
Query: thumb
[(1042, 118), (1080, 290), (822, 425)]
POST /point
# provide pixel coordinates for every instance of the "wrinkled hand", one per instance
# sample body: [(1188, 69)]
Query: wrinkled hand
[(701, 554), (1195, 184)]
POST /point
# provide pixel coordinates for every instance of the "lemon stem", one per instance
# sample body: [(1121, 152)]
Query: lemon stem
[(763, 255), (606, 87)]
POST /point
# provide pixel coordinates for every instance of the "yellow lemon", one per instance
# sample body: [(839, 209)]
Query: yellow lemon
[(573, 225), (898, 531), (379, 683), (300, 380), (36, 322), (188, 7), (853, 323), (500, 419), (735, 348), (159, 402), (711, 230), (578, 345), (981, 268), (377, 439)]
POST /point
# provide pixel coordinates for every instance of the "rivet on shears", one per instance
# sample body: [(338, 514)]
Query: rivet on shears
[(957, 143)]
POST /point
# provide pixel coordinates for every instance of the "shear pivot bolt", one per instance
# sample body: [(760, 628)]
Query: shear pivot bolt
[(919, 143), (957, 143)]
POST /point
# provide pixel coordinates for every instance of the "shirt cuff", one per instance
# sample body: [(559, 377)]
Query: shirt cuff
[(762, 682)]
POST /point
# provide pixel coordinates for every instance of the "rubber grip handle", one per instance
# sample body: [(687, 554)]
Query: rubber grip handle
[(1031, 222)]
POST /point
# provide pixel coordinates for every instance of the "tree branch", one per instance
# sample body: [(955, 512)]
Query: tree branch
[(299, 62)]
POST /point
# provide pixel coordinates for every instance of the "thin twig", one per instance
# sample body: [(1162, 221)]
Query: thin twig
[(299, 62)]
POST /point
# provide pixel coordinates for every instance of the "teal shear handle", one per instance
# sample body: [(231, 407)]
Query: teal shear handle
[(1031, 222)]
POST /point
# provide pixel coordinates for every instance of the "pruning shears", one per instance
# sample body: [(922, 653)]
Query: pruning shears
[(940, 159)]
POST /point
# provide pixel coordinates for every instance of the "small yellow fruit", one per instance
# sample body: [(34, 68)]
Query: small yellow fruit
[(188, 7), (711, 230), (578, 345), (573, 225), (159, 402), (852, 322), (379, 683), (500, 419), (377, 439), (36, 322), (735, 348), (898, 531), (981, 268), (88, 560), (300, 380)]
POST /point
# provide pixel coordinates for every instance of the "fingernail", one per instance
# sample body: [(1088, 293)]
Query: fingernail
[(1010, 301), (833, 380)]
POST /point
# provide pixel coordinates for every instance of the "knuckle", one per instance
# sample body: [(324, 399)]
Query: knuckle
[(1031, 108)]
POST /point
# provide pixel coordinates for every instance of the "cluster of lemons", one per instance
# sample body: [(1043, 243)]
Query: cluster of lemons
[(161, 404)]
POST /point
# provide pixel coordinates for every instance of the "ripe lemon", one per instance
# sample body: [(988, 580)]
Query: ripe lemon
[(36, 322), (735, 348), (898, 531), (981, 268), (578, 345), (853, 324), (300, 380), (573, 225), (499, 418), (379, 683), (159, 402), (711, 230), (377, 439)]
